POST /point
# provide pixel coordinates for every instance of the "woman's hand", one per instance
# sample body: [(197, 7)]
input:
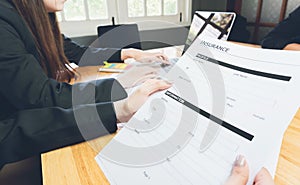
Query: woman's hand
[(138, 74), (126, 108), (240, 174), (143, 56)]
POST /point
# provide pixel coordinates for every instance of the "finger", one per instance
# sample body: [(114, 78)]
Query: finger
[(163, 61), (263, 178), (153, 60), (240, 172), (145, 60), (151, 69), (163, 58), (144, 78), (138, 97), (142, 69), (153, 85), (160, 57)]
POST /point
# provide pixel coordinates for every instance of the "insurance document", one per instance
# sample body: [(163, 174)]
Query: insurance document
[(226, 100)]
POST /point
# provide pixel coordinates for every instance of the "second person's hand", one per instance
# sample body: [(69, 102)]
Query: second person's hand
[(240, 174)]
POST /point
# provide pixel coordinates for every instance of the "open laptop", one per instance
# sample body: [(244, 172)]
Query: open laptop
[(210, 24), (207, 24)]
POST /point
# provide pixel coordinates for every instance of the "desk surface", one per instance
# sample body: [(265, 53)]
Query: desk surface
[(75, 165)]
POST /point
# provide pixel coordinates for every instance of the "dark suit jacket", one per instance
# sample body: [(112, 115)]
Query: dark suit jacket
[(38, 114), (286, 32)]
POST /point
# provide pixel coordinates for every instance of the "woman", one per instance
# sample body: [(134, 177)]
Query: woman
[(37, 113), (286, 35)]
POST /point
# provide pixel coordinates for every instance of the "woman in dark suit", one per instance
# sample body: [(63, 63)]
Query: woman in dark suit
[(286, 35), (36, 109)]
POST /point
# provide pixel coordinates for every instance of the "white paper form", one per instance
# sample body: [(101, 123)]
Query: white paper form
[(226, 100)]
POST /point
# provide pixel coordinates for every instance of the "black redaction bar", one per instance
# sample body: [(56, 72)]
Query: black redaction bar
[(245, 70), (211, 117)]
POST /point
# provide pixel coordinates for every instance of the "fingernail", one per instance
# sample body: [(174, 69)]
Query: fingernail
[(240, 161), (169, 82), (165, 80)]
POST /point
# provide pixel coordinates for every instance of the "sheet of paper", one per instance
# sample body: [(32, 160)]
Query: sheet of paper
[(272, 160), (226, 100)]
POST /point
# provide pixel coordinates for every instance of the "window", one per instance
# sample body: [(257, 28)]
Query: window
[(170, 7), (81, 10), (91, 13), (97, 9), (165, 10), (138, 8), (74, 11)]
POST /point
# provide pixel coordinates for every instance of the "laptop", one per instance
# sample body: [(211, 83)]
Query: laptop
[(210, 24), (206, 24)]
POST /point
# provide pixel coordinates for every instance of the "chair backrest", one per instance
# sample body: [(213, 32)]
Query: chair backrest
[(119, 36)]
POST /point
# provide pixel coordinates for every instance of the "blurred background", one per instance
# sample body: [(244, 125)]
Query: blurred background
[(168, 20)]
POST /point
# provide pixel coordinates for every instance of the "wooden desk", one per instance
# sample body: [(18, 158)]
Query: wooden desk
[(246, 44), (75, 165)]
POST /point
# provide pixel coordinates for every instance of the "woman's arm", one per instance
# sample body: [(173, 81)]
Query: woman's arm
[(25, 85), (32, 132), (89, 56)]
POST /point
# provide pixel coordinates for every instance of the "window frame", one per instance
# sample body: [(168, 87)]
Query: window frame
[(183, 7), (88, 27)]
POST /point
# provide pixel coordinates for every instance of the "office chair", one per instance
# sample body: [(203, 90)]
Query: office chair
[(118, 36)]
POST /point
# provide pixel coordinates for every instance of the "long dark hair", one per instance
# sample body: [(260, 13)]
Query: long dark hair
[(47, 37)]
